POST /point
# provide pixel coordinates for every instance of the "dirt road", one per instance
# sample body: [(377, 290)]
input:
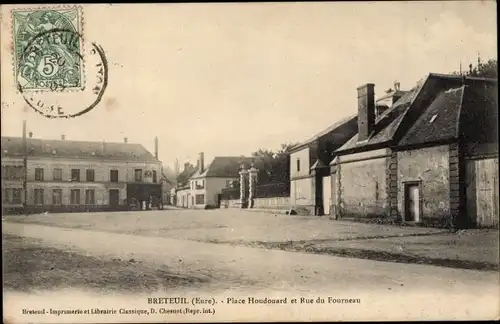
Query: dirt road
[(407, 289)]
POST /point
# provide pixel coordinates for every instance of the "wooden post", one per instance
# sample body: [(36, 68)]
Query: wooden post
[(25, 166)]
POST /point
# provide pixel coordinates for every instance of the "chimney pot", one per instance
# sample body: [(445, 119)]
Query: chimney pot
[(63, 137), (366, 110)]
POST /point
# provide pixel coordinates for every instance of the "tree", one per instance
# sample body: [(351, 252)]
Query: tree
[(486, 70), (483, 70), (274, 166)]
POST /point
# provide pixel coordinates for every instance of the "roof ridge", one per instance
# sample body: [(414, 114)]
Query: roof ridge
[(70, 140), (80, 149), (331, 127)]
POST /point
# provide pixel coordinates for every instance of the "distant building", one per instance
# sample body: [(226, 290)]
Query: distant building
[(64, 175), (168, 183), (204, 186)]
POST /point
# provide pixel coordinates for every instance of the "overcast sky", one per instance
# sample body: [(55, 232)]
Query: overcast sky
[(228, 79)]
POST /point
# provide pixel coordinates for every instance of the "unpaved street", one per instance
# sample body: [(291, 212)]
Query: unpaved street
[(236, 269)]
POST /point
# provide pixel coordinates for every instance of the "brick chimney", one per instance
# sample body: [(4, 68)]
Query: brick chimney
[(156, 147), (63, 137), (186, 165), (366, 111), (201, 162)]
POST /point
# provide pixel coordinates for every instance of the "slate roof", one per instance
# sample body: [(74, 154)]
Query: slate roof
[(224, 167), (185, 175), (387, 123), (439, 121), (350, 121), (470, 111), (390, 94), (461, 106), (318, 165), (13, 146), (480, 109)]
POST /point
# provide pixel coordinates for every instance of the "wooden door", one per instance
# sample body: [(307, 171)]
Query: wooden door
[(412, 200), (327, 195), (486, 192), (114, 197), (333, 203)]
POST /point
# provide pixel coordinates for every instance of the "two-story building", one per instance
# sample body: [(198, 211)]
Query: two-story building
[(204, 187), (64, 175), (13, 173), (310, 188)]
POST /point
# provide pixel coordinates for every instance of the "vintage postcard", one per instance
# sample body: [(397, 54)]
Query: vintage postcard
[(250, 162)]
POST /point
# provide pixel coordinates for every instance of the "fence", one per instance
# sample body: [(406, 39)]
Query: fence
[(230, 193), (271, 190)]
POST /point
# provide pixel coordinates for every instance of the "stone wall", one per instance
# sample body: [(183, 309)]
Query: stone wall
[(430, 166), (361, 190), (261, 203)]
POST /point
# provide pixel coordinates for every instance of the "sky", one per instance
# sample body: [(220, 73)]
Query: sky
[(228, 79)]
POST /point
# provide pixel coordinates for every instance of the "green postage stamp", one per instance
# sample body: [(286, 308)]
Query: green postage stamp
[(48, 49)]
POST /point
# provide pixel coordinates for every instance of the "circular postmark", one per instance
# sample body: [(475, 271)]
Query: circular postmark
[(59, 75)]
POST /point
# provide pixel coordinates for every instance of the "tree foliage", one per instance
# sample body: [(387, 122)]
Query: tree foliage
[(273, 165), (484, 70)]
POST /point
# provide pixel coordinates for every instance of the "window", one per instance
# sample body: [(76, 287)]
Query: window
[(56, 196), (90, 197), (200, 199), (38, 174), (154, 176), (113, 175), (298, 164), (39, 197), (75, 174), (229, 183), (138, 175), (12, 196), (200, 184), (57, 174), (12, 172), (75, 196), (90, 175)]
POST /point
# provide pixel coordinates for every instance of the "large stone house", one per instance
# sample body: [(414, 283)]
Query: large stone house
[(430, 158), (310, 188), (64, 175), (203, 188)]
